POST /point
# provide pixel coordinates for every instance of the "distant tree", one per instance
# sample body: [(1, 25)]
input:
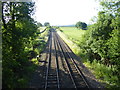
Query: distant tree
[(84, 25), (81, 25), (78, 24), (47, 24), (39, 24)]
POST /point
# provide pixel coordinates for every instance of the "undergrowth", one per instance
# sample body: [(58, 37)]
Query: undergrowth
[(103, 73)]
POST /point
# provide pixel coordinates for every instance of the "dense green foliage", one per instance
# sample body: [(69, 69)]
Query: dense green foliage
[(19, 33), (39, 24), (81, 25), (101, 41), (47, 24)]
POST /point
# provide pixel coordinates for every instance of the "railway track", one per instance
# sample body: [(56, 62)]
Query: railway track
[(52, 77), (57, 47)]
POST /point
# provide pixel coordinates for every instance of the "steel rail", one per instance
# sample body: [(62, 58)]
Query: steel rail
[(57, 64), (68, 65), (49, 61), (76, 66), (56, 42), (52, 79)]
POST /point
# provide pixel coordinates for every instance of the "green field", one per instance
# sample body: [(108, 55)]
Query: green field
[(73, 33), (72, 36)]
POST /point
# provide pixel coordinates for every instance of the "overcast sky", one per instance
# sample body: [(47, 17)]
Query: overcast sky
[(65, 12)]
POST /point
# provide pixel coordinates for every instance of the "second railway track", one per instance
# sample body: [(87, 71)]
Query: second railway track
[(59, 51)]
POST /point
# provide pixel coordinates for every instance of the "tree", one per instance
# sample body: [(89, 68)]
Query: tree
[(47, 24), (102, 39), (39, 24), (81, 25), (84, 25), (18, 33)]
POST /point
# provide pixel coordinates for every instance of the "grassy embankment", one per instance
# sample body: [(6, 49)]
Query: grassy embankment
[(73, 37)]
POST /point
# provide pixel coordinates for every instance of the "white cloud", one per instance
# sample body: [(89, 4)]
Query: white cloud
[(60, 12)]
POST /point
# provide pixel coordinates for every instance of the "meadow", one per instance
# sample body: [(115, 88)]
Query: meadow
[(73, 33)]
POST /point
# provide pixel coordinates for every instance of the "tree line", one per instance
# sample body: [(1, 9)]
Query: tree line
[(102, 40), (18, 34)]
